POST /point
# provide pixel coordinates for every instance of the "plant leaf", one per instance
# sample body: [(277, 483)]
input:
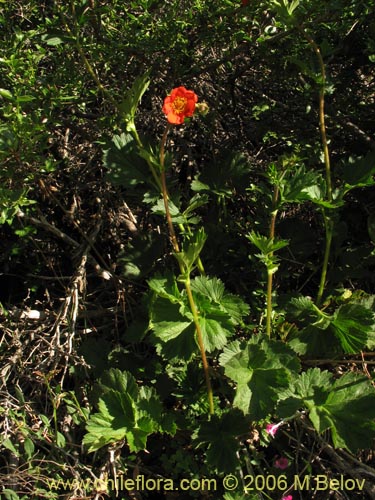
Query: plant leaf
[(221, 434), (352, 324), (261, 369), (124, 166)]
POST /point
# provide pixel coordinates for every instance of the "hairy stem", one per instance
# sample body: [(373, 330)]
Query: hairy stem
[(184, 272), (328, 224), (270, 273)]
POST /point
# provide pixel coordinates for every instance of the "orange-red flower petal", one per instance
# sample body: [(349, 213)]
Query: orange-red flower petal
[(179, 105)]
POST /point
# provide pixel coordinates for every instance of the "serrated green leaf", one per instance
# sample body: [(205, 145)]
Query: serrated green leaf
[(174, 211), (149, 404), (221, 435), (195, 202), (260, 370), (191, 249), (120, 408), (137, 437), (350, 410), (122, 416), (235, 307), (213, 289), (120, 381), (314, 341), (180, 348), (124, 166), (298, 185), (214, 335), (305, 311), (352, 324), (346, 407), (100, 431), (264, 244), (307, 390), (166, 287), (229, 351), (166, 320)]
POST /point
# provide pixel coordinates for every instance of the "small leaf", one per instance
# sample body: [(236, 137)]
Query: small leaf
[(60, 440), (166, 288), (129, 105), (29, 447), (191, 249), (7, 443), (7, 94)]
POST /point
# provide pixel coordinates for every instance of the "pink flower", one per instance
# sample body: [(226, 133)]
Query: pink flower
[(289, 497), (281, 463), (272, 428)]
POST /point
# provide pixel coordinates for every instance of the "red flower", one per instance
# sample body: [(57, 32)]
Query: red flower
[(245, 3), (179, 105), (281, 463)]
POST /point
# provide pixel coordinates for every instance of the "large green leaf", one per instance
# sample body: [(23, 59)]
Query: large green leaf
[(120, 381), (124, 166), (297, 185), (172, 321), (166, 320), (110, 424), (125, 413), (181, 348), (221, 434), (349, 328), (214, 290), (351, 409), (307, 390), (352, 325), (360, 172), (228, 171), (345, 407), (261, 369)]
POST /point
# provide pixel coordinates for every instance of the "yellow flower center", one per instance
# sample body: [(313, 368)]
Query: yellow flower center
[(179, 105)]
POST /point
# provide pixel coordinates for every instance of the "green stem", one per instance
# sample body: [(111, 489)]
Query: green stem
[(270, 273), (201, 346), (328, 224), (186, 275), (269, 303)]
